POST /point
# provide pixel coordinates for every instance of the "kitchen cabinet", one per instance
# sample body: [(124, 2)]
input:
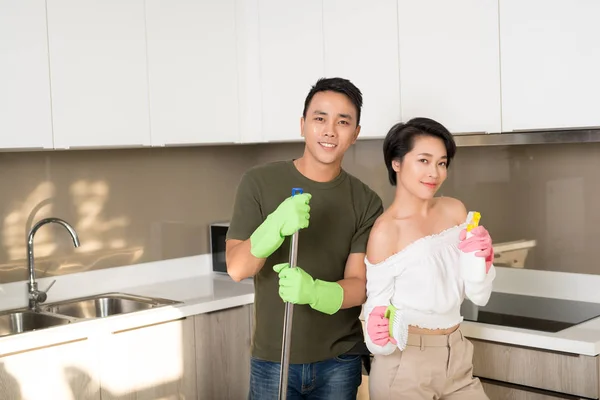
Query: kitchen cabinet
[(200, 356), (223, 353), (98, 73), (561, 373), (150, 362), (497, 391), (291, 61), (550, 62), (361, 44), (192, 71), (450, 63), (25, 116), (66, 371)]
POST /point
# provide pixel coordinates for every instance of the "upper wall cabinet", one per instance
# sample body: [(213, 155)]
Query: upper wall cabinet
[(291, 61), (550, 63), (248, 68), (25, 119), (449, 63), (192, 71), (361, 44), (98, 73)]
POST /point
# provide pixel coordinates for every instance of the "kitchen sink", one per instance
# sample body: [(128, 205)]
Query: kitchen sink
[(105, 305), (15, 322)]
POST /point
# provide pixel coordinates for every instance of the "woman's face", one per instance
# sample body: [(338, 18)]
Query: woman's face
[(424, 168)]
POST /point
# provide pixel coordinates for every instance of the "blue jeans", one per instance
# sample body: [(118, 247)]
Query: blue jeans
[(335, 379)]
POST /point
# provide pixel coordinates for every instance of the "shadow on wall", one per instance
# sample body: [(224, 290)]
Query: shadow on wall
[(127, 206), (103, 239)]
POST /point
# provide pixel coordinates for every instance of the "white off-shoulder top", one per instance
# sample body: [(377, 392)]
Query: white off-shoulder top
[(423, 282)]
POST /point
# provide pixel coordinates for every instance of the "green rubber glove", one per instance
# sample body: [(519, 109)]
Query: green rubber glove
[(298, 287), (291, 216)]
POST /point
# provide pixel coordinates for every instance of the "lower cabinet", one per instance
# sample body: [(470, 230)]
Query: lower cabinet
[(65, 371), (515, 372), (151, 362), (206, 356), (223, 353), (497, 391)]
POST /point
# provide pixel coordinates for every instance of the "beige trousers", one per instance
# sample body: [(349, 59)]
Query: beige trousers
[(432, 367)]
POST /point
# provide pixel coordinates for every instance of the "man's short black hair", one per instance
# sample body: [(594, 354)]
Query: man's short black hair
[(401, 140), (338, 85)]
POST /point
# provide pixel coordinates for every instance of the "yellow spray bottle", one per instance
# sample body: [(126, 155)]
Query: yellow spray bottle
[(472, 267)]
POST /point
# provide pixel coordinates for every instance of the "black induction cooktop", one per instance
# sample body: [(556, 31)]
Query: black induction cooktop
[(530, 312)]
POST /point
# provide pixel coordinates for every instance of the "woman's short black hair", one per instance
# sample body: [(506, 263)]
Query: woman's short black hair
[(401, 140)]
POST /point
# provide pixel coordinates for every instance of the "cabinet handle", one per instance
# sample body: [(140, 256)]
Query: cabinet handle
[(107, 146), (192, 144), (470, 133), (571, 128), (25, 148)]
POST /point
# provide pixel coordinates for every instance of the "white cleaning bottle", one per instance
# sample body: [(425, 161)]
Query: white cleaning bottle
[(472, 267)]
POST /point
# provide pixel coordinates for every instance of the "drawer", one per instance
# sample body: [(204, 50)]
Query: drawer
[(572, 374), (498, 391)]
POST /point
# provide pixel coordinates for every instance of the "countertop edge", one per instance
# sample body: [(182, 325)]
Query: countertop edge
[(92, 329), (207, 292)]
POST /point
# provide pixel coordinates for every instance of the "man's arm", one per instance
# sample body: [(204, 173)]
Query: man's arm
[(355, 281), (355, 273), (241, 264), (246, 217)]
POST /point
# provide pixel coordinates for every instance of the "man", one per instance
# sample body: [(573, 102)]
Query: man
[(334, 216)]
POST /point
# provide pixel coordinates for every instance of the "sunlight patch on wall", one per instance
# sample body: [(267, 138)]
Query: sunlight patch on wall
[(37, 205), (89, 199)]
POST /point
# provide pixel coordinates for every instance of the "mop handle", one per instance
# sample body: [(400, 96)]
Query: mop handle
[(287, 319)]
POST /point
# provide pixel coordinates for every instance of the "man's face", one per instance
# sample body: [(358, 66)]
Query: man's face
[(329, 128)]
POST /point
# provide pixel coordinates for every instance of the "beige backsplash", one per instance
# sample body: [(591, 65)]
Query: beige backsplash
[(132, 206)]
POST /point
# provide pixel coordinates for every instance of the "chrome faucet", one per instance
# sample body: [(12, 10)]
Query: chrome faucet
[(39, 296)]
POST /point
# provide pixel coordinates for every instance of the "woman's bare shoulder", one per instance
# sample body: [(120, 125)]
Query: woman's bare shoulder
[(383, 239), (453, 208)]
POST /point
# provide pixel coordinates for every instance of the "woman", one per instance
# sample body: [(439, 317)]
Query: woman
[(414, 283)]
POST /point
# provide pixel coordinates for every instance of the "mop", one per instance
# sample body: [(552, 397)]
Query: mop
[(287, 319)]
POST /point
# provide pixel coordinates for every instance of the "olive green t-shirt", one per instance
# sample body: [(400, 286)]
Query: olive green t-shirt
[(342, 212)]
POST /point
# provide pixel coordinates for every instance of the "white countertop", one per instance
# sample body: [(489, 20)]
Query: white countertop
[(188, 280), (191, 281)]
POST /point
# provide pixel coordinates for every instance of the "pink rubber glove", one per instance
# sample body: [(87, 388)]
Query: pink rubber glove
[(482, 241), (378, 327)]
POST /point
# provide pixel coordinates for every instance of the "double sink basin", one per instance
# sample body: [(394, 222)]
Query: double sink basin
[(65, 312)]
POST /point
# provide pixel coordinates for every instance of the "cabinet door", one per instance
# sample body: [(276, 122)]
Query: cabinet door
[(223, 353), (361, 44), (497, 391), (25, 120), (64, 371), (151, 362), (98, 73), (192, 71), (550, 62), (449, 63), (291, 60), (573, 374)]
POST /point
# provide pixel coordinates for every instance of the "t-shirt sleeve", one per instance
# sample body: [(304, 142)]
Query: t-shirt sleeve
[(247, 214), (374, 208)]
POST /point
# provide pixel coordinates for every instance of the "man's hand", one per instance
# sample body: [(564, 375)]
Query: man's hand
[(290, 216), (298, 287), (295, 285)]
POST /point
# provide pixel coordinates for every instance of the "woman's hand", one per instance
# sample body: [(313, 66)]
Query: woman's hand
[(378, 327), (481, 242)]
